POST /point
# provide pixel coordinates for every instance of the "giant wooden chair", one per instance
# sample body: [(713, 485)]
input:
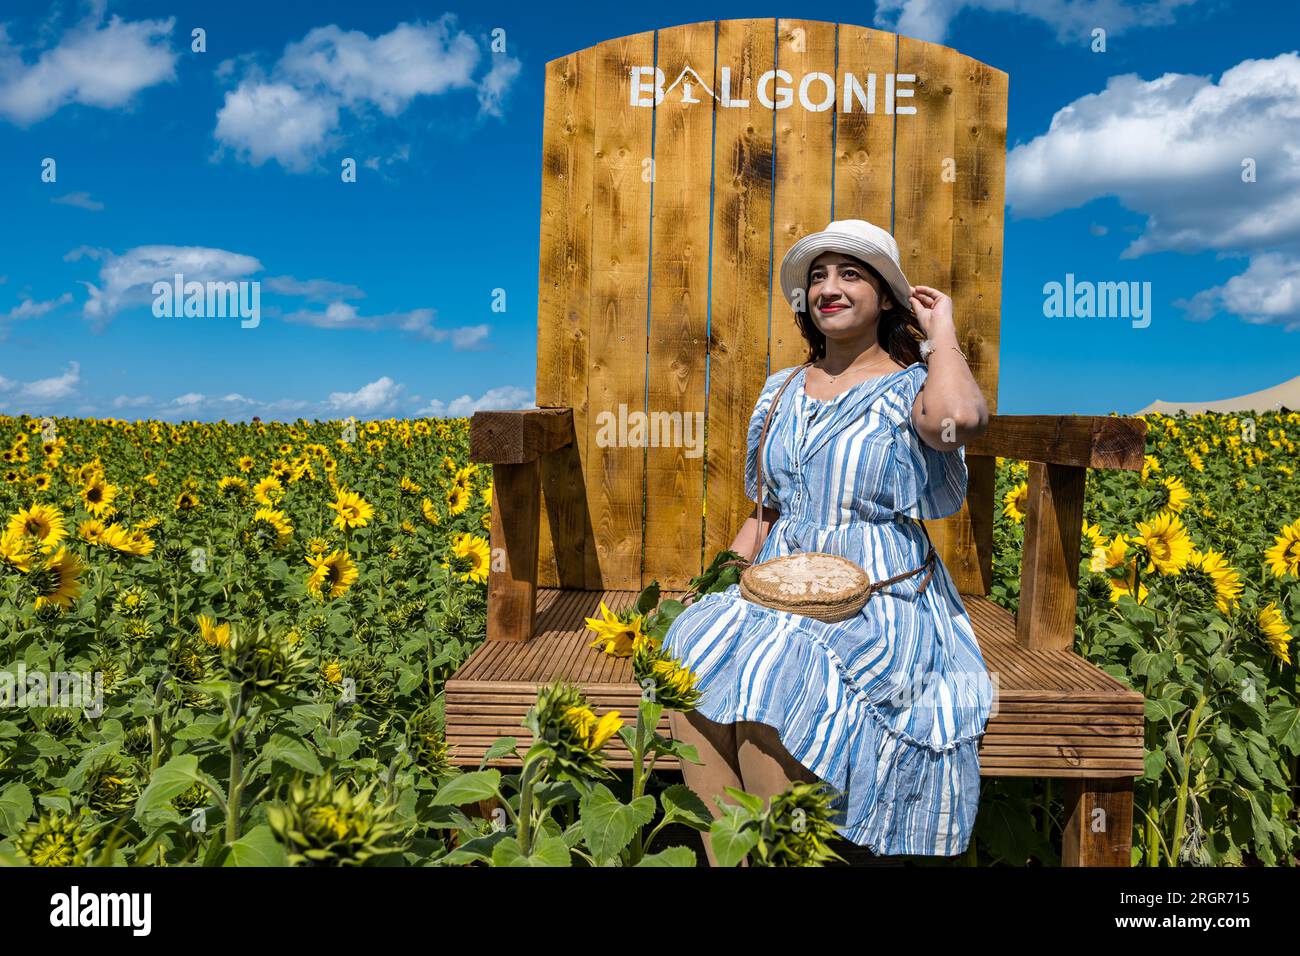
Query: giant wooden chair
[(678, 166)]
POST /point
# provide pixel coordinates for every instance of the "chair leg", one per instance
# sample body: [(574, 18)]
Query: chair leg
[(1099, 822)]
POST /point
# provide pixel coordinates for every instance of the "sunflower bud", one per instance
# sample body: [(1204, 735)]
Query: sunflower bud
[(57, 839), (570, 732), (321, 824), (796, 829)]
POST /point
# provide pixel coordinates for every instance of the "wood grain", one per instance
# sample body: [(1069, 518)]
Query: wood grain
[(563, 311), (739, 264), (615, 474), (679, 306)]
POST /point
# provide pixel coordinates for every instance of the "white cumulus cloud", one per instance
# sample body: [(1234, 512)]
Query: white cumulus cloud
[(262, 121), (502, 397), (127, 279), (419, 323), (377, 396), (1072, 20), (1211, 166), (292, 113), (94, 64)]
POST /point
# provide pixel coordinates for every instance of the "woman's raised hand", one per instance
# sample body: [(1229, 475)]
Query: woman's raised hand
[(933, 309)]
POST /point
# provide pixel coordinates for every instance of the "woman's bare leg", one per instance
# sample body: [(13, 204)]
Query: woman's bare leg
[(716, 744), (766, 767)]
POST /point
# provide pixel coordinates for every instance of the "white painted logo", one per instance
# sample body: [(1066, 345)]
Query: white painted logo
[(777, 89)]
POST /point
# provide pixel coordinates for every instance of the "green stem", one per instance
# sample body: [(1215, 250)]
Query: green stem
[(155, 725), (1180, 813), (525, 821), (638, 784), (236, 785)]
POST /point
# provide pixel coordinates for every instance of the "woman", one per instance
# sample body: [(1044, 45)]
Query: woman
[(888, 706)]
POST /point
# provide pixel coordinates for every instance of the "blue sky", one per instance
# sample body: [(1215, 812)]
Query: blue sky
[(377, 296)]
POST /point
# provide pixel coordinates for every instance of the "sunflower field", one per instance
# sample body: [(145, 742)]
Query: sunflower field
[(1188, 593), (270, 611)]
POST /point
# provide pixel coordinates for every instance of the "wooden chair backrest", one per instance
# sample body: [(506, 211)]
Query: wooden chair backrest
[(663, 226)]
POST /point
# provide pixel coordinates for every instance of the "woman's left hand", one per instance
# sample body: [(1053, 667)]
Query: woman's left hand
[(933, 309)]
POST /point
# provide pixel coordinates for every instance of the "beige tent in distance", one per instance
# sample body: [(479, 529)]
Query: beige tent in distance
[(1284, 396)]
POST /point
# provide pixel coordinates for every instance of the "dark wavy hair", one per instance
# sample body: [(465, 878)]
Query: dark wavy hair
[(899, 333)]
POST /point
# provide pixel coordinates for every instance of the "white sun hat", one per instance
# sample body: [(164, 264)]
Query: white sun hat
[(853, 237)]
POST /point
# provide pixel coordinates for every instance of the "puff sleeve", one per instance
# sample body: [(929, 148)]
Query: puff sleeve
[(765, 397), (929, 483)]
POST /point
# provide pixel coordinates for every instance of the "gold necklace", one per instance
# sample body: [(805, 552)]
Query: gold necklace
[(832, 378)]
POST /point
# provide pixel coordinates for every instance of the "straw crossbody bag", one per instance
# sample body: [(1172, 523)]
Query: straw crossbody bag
[(814, 584)]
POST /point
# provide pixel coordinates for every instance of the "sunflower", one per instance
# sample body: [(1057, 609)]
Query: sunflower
[(1106, 557), (245, 463), (268, 491), (471, 554), (1166, 541), (430, 512), (212, 633), (331, 575), (457, 499), (593, 732), (1015, 502), (353, 510), (1225, 579), (40, 522), (97, 496), (1284, 556), (58, 583), (464, 477), (139, 543), (1175, 493), (1121, 586), (620, 634), (409, 487), (1149, 466), (487, 496), (1092, 533), (1276, 631), (89, 471), (15, 551), (40, 481), (233, 488), (274, 524), (91, 530)]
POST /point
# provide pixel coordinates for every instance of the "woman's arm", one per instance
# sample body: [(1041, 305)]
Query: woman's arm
[(744, 543), (950, 410)]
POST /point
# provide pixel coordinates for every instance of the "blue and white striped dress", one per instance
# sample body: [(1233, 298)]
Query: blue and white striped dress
[(888, 707)]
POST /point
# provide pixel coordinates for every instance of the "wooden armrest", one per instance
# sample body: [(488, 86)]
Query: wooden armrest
[(1080, 441), (1060, 449), (518, 437), (514, 442)]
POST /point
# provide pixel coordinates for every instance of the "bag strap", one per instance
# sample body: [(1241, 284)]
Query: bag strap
[(930, 556), (759, 534)]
